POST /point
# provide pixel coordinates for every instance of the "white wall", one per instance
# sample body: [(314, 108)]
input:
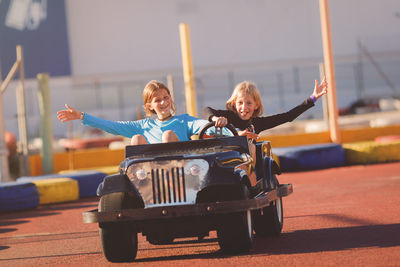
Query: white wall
[(259, 40), (136, 35)]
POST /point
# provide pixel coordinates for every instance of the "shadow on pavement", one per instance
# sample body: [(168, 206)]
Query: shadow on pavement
[(330, 239), (307, 241)]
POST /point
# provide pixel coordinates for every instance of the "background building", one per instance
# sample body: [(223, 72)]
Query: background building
[(101, 53)]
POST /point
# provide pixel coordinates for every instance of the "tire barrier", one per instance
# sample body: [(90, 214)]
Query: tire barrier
[(372, 152), (41, 177), (57, 190), (108, 170), (16, 196), (24, 194), (88, 181), (310, 157)]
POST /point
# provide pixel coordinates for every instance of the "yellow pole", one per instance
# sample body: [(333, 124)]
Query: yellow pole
[(170, 85), (324, 97), (190, 93), (330, 71)]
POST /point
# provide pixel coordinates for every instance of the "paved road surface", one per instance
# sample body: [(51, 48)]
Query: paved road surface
[(347, 216)]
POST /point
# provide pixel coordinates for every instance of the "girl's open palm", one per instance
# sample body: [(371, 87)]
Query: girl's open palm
[(320, 90), (68, 114)]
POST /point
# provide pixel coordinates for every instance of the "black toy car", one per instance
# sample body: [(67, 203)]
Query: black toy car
[(187, 189)]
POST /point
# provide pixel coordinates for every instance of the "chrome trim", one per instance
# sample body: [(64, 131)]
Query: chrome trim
[(266, 149)]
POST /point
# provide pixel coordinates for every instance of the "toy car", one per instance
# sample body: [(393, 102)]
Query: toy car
[(187, 189)]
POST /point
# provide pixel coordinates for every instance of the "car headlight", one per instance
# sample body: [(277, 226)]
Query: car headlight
[(195, 170), (138, 173), (141, 174), (196, 167)]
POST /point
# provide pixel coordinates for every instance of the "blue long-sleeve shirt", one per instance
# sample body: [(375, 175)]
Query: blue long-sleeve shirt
[(183, 126)]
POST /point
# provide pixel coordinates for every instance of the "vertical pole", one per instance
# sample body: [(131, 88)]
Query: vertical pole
[(324, 97), (46, 131), (4, 169), (188, 78), (70, 150), (21, 111), (71, 163), (330, 71), (359, 71), (170, 85)]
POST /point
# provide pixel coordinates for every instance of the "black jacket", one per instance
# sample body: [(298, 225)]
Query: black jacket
[(260, 123)]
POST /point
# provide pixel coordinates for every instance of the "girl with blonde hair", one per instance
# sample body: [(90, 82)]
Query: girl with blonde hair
[(244, 110)]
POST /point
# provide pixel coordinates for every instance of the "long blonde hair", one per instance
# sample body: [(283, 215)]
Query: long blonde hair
[(248, 88), (148, 93)]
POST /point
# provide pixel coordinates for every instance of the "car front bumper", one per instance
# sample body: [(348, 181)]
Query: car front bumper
[(177, 211)]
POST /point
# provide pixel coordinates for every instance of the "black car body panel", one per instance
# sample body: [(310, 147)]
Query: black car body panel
[(186, 189)]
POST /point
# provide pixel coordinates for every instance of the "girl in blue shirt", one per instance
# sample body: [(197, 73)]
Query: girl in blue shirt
[(165, 126)]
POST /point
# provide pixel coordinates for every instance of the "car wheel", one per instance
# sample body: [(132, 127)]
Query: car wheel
[(119, 239), (236, 232), (269, 220)]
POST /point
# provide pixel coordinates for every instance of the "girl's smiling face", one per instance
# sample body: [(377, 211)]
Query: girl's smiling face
[(245, 106), (161, 103)]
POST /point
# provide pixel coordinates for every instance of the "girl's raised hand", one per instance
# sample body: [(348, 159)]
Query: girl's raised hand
[(320, 90), (68, 114)]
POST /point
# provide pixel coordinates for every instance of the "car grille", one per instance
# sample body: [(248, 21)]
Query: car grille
[(168, 182), (168, 185)]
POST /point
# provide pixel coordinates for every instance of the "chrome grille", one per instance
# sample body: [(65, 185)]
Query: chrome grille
[(168, 185), (168, 182)]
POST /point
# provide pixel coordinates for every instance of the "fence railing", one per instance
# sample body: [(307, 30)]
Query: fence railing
[(18, 66), (282, 84)]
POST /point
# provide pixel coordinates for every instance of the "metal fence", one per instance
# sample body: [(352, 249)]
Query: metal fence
[(282, 84)]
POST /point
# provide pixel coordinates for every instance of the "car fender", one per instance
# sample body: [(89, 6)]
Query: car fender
[(270, 167), (117, 183), (244, 177), (275, 167)]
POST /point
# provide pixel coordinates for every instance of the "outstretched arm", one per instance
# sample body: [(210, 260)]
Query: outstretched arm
[(124, 128), (69, 114), (268, 122)]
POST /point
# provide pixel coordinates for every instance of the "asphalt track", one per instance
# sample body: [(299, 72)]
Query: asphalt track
[(347, 216)]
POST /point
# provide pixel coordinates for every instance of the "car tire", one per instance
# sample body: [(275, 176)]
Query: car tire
[(119, 239), (235, 234), (269, 220)]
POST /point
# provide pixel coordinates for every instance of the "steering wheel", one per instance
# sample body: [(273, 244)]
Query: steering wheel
[(218, 130)]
